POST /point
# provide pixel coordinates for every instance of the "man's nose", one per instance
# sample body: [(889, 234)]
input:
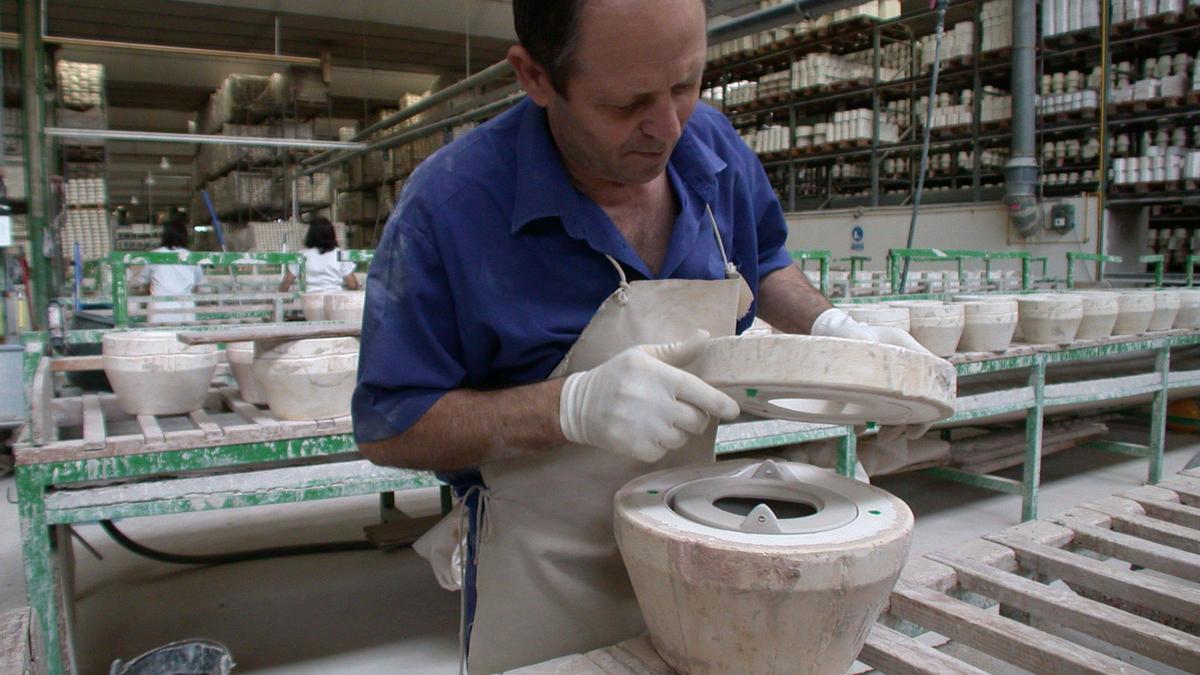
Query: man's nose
[(662, 122)]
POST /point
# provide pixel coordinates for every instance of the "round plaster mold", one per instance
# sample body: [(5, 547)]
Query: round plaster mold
[(345, 306), (241, 362), (307, 379), (828, 380), (938, 326), (313, 304), (1050, 319), (1189, 310), (876, 314), (990, 324), (153, 373), (1100, 312), (759, 567), (1166, 308), (1136, 309)]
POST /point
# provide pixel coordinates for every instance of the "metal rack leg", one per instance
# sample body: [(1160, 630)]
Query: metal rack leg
[(1032, 471), (1158, 416), (42, 586), (847, 453)]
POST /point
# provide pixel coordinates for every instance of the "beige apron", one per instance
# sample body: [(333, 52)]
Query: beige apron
[(550, 579)]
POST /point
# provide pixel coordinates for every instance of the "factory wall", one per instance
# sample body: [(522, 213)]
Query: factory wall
[(979, 226)]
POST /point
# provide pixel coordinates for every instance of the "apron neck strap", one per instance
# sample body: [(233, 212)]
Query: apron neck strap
[(730, 268)]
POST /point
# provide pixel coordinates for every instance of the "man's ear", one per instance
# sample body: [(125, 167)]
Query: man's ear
[(534, 79)]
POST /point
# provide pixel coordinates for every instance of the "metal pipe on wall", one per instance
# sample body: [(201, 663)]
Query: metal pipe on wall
[(200, 139), (1021, 171)]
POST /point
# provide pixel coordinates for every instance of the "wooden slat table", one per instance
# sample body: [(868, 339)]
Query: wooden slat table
[(1034, 596)]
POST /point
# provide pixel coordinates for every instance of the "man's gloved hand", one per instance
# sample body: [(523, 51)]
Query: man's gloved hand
[(640, 404), (838, 324)]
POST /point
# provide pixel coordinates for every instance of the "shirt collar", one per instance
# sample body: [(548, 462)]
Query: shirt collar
[(543, 189)]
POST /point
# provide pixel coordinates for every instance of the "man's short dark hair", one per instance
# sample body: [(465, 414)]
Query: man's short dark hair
[(549, 31), (321, 235), (175, 231)]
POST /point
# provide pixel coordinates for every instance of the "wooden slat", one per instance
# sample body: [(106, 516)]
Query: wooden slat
[(296, 331), (895, 653), (74, 364), (1138, 589), (1180, 514), (1135, 633), (211, 430), (1188, 494), (249, 412), (1134, 550), (150, 429), (1168, 534), (1003, 638), (93, 424)]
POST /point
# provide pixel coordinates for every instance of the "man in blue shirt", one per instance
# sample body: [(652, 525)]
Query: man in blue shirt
[(535, 293)]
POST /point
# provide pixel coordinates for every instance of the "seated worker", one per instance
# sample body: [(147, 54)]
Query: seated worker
[(532, 299), (323, 272), (171, 280)]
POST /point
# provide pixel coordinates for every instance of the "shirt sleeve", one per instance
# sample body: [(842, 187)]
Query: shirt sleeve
[(772, 227), (346, 268), (142, 277), (411, 353)]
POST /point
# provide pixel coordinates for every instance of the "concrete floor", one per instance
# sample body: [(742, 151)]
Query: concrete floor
[(373, 612)]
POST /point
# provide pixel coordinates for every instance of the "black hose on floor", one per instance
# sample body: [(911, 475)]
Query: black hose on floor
[(235, 557)]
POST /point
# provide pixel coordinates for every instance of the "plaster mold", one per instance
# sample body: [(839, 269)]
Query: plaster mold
[(877, 314), (1050, 319), (758, 567), (307, 379), (314, 306), (938, 326), (1100, 312), (241, 362), (828, 380), (1166, 308), (152, 373), (1189, 310), (1136, 309), (345, 306), (989, 324)]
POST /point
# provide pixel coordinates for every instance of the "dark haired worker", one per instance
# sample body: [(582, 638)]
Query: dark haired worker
[(323, 272), (534, 293), (171, 280)]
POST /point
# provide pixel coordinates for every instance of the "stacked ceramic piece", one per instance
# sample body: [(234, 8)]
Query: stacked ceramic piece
[(241, 362), (307, 379), (938, 326), (760, 567), (1100, 312), (153, 373), (1050, 319), (313, 304), (1135, 310), (989, 323)]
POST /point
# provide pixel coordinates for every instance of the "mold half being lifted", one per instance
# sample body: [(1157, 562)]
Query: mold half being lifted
[(828, 380), (760, 567)]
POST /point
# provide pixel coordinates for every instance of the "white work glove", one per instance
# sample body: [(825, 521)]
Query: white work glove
[(838, 324), (639, 403)]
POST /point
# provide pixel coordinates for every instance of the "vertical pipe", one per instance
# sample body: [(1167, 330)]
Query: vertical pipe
[(1021, 172), (1102, 190), (37, 177), (278, 35)]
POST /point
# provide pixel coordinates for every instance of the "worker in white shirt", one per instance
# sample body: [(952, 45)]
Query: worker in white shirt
[(324, 272), (171, 280)]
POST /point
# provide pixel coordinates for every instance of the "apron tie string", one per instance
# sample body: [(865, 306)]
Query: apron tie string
[(472, 551)]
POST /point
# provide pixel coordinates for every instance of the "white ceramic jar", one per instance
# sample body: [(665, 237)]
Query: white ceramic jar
[(1189, 310), (1136, 309), (345, 306), (989, 324), (153, 373), (1100, 312), (1049, 319), (938, 326), (1166, 308), (241, 362), (307, 379), (313, 304)]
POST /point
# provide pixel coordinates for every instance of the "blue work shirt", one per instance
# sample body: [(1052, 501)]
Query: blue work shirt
[(493, 263)]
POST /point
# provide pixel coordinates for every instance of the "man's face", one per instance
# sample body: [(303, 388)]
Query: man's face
[(635, 83)]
